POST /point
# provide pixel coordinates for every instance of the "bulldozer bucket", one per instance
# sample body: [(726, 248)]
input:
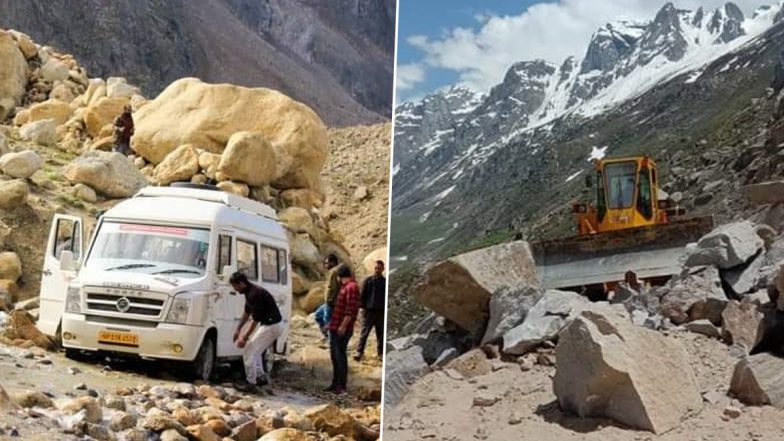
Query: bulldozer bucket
[(585, 262)]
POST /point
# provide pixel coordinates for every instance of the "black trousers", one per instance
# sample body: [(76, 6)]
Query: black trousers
[(338, 351), (371, 319)]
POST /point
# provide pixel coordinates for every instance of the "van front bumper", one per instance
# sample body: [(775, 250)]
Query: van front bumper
[(163, 340)]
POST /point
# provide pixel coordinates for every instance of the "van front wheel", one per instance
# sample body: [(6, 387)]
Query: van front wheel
[(203, 366)]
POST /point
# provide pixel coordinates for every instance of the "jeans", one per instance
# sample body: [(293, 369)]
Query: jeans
[(371, 319), (338, 351), (122, 147), (323, 316)]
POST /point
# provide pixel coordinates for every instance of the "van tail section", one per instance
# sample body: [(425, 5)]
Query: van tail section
[(594, 263)]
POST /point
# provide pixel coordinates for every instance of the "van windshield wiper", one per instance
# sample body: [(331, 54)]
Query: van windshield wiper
[(175, 270), (130, 266)]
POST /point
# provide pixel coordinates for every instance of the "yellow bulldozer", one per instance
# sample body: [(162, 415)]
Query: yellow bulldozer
[(633, 232)]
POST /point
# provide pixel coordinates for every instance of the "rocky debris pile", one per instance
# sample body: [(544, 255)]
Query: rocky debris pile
[(730, 289), (185, 411)]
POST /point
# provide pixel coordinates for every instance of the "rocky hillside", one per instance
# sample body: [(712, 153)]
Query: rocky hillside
[(689, 88), (336, 56)]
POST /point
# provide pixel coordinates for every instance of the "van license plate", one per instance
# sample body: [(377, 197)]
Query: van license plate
[(118, 338)]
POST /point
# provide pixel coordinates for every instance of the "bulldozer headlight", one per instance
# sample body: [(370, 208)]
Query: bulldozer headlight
[(579, 208), (73, 300)]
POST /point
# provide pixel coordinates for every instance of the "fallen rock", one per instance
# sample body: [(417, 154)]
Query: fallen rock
[(179, 165), (57, 110), (727, 246), (704, 327), (84, 193), (22, 164), (202, 433), (554, 310), (743, 278), (10, 266), (297, 220), (249, 158), (122, 421), (369, 262), (361, 193), (13, 70), (607, 367), (43, 132), (509, 307), (285, 434), (245, 432), (237, 188), (119, 87), (34, 399), (402, 369), (54, 70), (90, 406), (26, 45), (172, 435), (330, 419), (111, 174), (460, 288), (471, 364), (189, 111), (765, 192), (99, 432), (758, 380), (302, 197), (13, 194), (694, 295), (102, 112), (744, 324)]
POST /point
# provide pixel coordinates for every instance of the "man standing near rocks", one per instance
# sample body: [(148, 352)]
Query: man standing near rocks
[(265, 327), (324, 312), (341, 327), (372, 303), (123, 130)]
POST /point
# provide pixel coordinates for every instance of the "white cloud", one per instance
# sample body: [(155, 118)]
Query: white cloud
[(550, 31), (409, 75)]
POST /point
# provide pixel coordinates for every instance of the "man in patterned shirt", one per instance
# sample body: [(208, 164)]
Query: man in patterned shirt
[(341, 326)]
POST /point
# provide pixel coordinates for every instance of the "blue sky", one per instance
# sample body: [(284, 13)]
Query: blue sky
[(472, 43)]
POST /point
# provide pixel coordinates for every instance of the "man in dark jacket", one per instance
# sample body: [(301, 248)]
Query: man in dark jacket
[(373, 302), (123, 130), (266, 326)]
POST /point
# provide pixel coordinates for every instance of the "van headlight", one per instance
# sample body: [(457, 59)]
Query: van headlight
[(73, 300), (178, 312)]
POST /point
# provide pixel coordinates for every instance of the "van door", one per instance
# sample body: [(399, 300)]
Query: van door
[(277, 280), (66, 234), (225, 299)]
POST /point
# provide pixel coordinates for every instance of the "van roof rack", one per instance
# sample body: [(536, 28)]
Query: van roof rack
[(209, 195)]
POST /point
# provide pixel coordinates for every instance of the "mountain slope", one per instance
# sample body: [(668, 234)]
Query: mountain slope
[(337, 56)]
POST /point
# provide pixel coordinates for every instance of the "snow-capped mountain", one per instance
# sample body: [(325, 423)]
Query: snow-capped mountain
[(454, 143)]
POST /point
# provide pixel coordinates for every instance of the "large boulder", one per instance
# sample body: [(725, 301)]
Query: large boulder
[(403, 368), (607, 367), (728, 246), (695, 294), (102, 112), (10, 266), (13, 71), (50, 109), (551, 313), (297, 220), (304, 252), (759, 380), (743, 278), (179, 165), (42, 132), (508, 308), (249, 158), (744, 323), (54, 70), (190, 111), (285, 434), (26, 44), (369, 262), (21, 325), (460, 288), (110, 174), (13, 194), (21, 164), (118, 87)]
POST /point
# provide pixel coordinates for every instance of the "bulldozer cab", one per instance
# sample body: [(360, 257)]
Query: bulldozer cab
[(626, 197)]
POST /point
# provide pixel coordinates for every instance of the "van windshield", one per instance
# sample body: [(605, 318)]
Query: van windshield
[(150, 249)]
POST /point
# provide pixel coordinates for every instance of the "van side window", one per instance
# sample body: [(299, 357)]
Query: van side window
[(224, 252), (283, 267), (248, 259), (269, 265), (67, 238)]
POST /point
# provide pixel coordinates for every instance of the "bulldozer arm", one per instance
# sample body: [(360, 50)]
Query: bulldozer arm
[(594, 261)]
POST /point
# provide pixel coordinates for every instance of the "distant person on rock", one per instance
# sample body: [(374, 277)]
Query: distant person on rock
[(123, 130), (265, 327), (331, 289), (341, 327), (372, 302)]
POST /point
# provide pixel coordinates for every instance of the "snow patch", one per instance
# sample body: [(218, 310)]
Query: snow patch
[(597, 153), (571, 178)]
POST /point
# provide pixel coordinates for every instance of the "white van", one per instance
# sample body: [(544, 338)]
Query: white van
[(154, 279)]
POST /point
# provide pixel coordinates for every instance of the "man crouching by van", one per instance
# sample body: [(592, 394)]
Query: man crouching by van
[(260, 309)]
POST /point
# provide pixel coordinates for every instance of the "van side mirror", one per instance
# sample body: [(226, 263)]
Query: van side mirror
[(67, 261), (588, 181)]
